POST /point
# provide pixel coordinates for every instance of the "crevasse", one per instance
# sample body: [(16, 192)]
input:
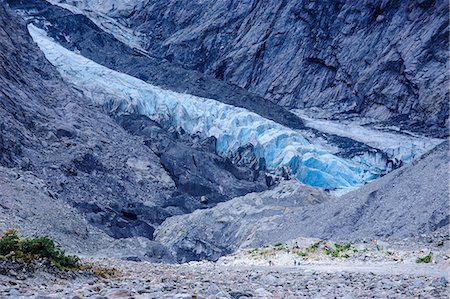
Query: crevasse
[(233, 127)]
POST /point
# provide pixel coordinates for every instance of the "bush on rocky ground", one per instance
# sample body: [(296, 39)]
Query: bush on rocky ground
[(425, 259), (29, 249), (29, 254)]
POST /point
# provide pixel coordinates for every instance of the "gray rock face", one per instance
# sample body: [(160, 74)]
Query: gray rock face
[(381, 59), (407, 202), (77, 32), (194, 167), (119, 178), (69, 151), (211, 233)]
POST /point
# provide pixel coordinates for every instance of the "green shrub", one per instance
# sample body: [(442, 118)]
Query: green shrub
[(301, 253), (313, 247), (331, 252), (254, 251), (425, 259), (9, 242), (340, 250), (100, 271), (281, 246), (343, 247), (41, 247)]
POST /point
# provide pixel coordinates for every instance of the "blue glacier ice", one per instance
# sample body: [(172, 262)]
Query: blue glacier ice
[(281, 147), (399, 146)]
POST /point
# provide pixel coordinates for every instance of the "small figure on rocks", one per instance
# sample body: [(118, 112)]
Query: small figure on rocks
[(270, 263), (375, 243), (295, 263)]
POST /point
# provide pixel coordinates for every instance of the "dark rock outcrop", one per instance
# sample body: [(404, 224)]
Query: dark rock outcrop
[(194, 167)]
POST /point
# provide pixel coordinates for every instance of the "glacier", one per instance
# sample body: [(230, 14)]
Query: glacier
[(282, 148), (399, 146)]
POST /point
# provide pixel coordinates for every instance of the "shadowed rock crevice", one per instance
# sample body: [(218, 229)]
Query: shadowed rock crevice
[(193, 164)]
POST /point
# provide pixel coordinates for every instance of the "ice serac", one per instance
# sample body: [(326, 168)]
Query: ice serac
[(280, 149)]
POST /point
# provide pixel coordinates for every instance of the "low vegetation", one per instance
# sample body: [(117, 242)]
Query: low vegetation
[(334, 250), (99, 271), (339, 250), (281, 247), (425, 259), (31, 249), (265, 250)]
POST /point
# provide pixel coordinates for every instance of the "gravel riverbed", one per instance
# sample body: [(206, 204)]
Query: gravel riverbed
[(213, 280)]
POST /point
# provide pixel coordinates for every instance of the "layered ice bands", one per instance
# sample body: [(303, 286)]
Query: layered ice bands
[(281, 147)]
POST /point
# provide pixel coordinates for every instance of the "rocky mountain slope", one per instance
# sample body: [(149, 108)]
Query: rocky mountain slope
[(385, 60), (57, 156), (116, 151), (407, 202), (121, 177), (78, 33)]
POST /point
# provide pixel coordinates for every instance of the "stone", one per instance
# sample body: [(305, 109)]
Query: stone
[(144, 291), (262, 293), (168, 288), (440, 282), (121, 293), (182, 296), (239, 295)]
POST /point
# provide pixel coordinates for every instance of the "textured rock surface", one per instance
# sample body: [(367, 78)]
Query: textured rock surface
[(77, 32), (86, 167), (59, 152), (210, 280), (211, 233), (407, 202), (103, 185), (381, 59), (278, 148), (193, 166)]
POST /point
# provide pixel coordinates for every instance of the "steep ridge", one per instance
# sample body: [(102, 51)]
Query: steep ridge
[(385, 60), (409, 202), (55, 153), (117, 182), (77, 33)]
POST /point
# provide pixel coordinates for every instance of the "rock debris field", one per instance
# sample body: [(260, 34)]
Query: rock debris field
[(216, 280)]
